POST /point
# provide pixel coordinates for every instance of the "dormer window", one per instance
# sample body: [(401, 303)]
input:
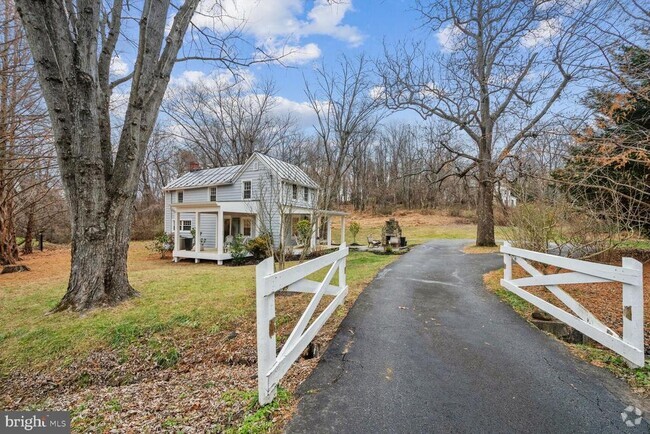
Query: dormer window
[(294, 191), (179, 197), (305, 194), (247, 189)]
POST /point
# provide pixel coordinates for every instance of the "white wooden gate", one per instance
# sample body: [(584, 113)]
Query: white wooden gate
[(271, 367), (630, 274)]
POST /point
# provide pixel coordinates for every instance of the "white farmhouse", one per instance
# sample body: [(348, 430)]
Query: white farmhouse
[(262, 195)]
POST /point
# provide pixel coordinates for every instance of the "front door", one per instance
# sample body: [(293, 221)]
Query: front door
[(226, 227)]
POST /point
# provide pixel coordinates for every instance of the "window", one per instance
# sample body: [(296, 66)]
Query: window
[(247, 189), (186, 225), (248, 227), (213, 194), (305, 194), (294, 193), (179, 197)]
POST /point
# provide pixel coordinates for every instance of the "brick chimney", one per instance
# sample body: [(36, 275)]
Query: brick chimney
[(194, 166)]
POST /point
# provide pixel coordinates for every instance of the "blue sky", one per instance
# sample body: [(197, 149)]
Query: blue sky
[(309, 33), (312, 32)]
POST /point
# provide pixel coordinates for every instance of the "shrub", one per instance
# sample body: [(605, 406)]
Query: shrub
[(259, 246), (388, 248), (561, 228), (162, 243), (303, 228), (238, 250), (355, 227)]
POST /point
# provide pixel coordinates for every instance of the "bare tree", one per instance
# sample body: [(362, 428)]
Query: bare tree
[(224, 121), (348, 114), (73, 43), (501, 68), (25, 150)]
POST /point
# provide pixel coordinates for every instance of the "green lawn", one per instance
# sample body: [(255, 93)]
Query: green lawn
[(173, 297)]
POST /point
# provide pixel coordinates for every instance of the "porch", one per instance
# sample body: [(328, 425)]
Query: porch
[(211, 227), (205, 231)]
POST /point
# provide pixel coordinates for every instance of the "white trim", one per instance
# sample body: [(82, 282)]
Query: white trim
[(243, 190)]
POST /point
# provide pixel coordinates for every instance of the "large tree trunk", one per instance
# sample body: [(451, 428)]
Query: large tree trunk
[(98, 276), (100, 183), (485, 206)]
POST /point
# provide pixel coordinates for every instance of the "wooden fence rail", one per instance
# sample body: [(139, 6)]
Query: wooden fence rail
[(272, 366), (630, 274)]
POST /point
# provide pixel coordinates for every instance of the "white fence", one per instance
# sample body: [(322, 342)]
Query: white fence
[(630, 274), (271, 367)]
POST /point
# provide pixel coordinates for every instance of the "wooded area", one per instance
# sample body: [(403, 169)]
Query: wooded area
[(505, 109)]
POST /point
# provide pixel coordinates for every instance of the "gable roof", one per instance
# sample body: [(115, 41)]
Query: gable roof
[(286, 171), (205, 177), (227, 175)]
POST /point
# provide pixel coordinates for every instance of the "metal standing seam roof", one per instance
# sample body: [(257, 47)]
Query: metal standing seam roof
[(287, 171), (226, 175), (205, 177)]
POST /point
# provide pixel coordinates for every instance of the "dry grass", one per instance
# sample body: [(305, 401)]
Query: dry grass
[(417, 226), (480, 250)]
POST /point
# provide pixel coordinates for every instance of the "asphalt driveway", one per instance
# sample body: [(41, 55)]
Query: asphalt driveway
[(427, 349)]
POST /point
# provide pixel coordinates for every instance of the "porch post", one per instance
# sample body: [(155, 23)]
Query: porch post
[(220, 229), (329, 230), (177, 235), (197, 234), (342, 230), (314, 229)]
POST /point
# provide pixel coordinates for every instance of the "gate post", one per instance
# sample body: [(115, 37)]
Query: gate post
[(266, 346), (633, 311), (507, 261), (342, 266)]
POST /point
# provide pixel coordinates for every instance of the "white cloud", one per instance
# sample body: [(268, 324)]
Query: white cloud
[(450, 38), (542, 34), (301, 112), (217, 79), (325, 19), (278, 23), (118, 66), (294, 54)]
